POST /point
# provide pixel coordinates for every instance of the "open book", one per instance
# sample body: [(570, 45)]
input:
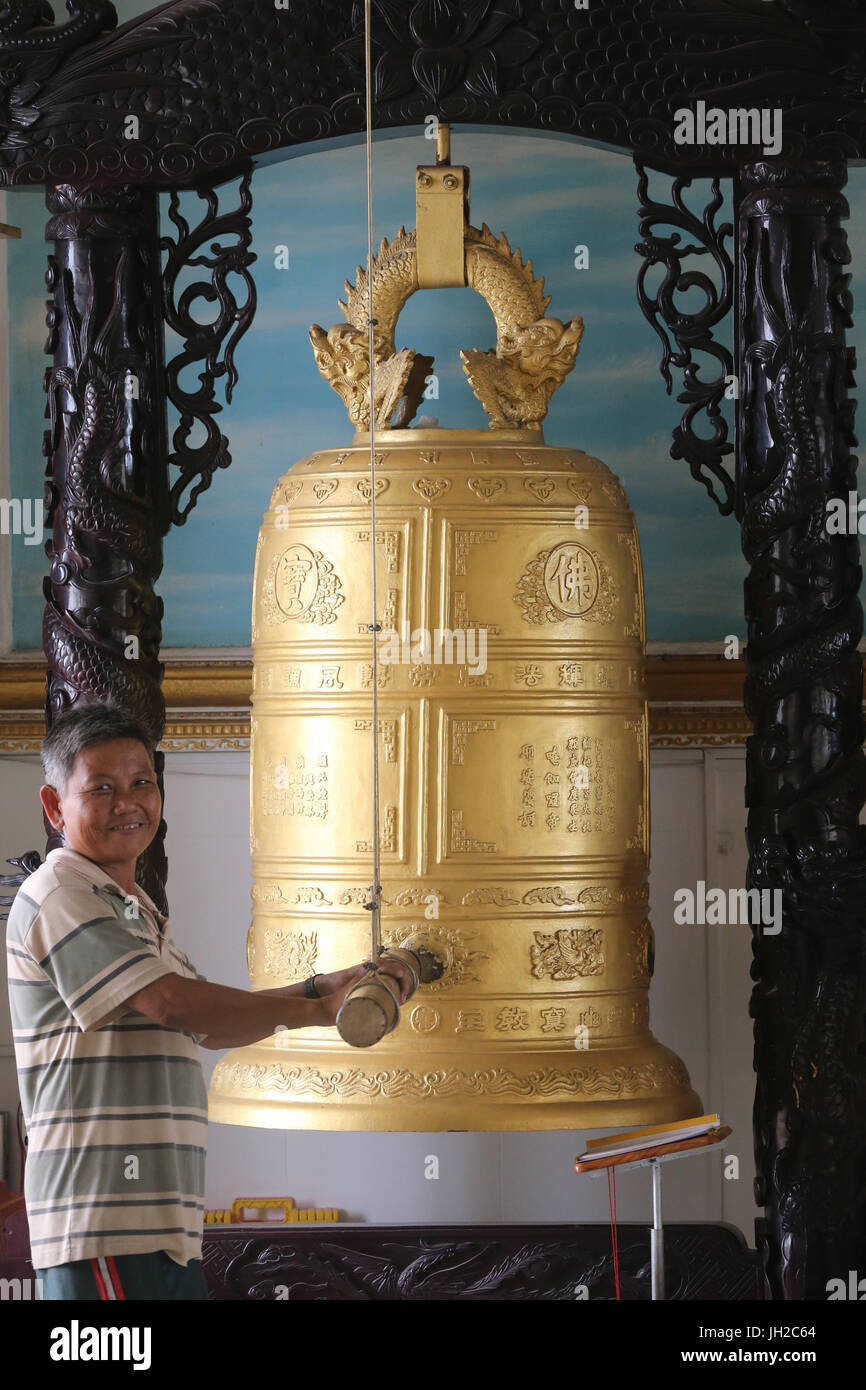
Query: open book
[(650, 1138)]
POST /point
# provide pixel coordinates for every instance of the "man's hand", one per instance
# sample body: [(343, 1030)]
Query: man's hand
[(398, 972), (332, 999), (334, 988)]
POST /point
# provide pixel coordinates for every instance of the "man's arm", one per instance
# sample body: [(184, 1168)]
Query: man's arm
[(230, 1017), (330, 984)]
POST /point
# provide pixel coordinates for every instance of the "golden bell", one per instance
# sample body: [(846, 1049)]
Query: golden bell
[(512, 737)]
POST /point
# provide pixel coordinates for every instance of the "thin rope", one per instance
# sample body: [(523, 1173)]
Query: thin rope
[(374, 904), (614, 1234)]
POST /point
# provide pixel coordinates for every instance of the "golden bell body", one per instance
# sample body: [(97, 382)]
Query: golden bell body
[(513, 790), (512, 735)]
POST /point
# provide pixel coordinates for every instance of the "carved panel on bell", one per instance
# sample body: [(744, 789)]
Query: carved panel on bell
[(451, 945), (470, 592), (642, 952), (301, 584), (297, 787), (547, 796), (289, 953), (567, 954), (567, 581), (569, 785)]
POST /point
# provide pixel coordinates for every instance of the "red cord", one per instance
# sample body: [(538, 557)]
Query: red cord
[(614, 1236)]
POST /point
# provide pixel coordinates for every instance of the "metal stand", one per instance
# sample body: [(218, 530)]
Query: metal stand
[(657, 1234)]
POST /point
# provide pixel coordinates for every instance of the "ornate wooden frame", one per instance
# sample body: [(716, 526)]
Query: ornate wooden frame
[(104, 118)]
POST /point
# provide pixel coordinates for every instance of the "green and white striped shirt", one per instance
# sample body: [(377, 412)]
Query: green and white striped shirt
[(115, 1105)]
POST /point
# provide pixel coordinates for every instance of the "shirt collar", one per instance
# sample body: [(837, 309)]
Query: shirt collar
[(96, 875)]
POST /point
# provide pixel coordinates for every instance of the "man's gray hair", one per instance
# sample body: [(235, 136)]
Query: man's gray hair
[(84, 727)]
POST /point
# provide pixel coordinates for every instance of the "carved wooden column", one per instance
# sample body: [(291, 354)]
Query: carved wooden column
[(107, 492), (806, 771)]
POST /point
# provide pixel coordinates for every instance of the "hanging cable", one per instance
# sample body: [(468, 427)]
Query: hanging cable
[(375, 903)]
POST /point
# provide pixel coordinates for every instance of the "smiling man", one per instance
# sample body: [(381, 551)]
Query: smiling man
[(107, 1014)]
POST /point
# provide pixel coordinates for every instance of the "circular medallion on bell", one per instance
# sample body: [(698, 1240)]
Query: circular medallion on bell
[(571, 579), (296, 580), (424, 1019)]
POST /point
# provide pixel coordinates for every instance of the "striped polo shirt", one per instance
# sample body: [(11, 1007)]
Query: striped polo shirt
[(115, 1105)]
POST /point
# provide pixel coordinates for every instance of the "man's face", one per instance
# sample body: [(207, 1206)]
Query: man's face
[(111, 806)]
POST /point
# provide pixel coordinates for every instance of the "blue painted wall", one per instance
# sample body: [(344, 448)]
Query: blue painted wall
[(549, 195)]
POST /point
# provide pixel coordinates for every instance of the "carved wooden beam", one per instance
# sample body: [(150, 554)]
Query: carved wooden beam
[(147, 103)]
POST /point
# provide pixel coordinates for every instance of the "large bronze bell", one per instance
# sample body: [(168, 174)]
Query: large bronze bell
[(512, 745)]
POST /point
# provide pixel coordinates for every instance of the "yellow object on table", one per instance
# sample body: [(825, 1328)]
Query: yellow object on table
[(237, 1214)]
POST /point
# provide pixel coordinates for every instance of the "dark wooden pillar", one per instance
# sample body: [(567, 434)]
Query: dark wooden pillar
[(106, 451), (806, 771)]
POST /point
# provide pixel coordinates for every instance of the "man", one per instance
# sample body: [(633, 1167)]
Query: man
[(106, 1017)]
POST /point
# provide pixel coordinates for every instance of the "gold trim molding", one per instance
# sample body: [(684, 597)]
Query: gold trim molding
[(694, 702)]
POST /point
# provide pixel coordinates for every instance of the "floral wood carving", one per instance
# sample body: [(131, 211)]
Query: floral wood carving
[(213, 343), (692, 329)]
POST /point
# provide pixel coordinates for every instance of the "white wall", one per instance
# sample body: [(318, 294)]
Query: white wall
[(699, 1003)]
